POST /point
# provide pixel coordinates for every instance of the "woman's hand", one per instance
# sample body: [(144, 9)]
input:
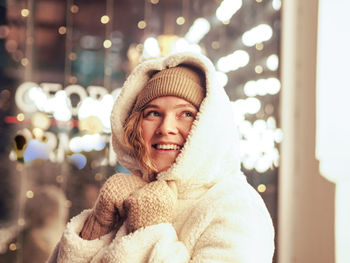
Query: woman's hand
[(150, 205), (108, 208)]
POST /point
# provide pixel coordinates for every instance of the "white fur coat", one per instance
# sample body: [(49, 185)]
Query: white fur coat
[(219, 217)]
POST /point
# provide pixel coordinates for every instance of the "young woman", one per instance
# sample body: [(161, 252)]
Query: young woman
[(185, 199)]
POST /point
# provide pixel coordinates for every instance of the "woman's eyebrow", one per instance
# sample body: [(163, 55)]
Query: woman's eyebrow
[(186, 105), (151, 106), (183, 105)]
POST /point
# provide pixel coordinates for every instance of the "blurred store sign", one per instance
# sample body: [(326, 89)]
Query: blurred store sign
[(93, 104), (49, 105)]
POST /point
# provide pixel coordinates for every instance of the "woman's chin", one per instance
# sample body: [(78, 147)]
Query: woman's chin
[(163, 167), (165, 162)]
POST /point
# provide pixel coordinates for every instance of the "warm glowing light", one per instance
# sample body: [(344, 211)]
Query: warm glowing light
[(215, 45), (263, 164), (261, 188), (248, 163), (271, 123), (198, 30), (151, 48), (87, 143), (274, 86), (24, 62), (260, 125), (104, 19), (259, 46), (166, 43), (25, 12), (252, 105), (272, 62), (227, 9), (258, 69), (182, 45), (12, 247), (247, 106), (20, 117), (100, 108), (41, 120), (234, 61), (259, 1), (222, 78), (107, 43), (262, 87), (142, 24), (258, 34), (72, 79), (74, 9), (38, 133), (276, 4), (29, 194), (13, 156), (91, 125), (257, 144), (180, 20), (278, 135), (154, 1), (62, 30), (21, 222), (249, 88), (57, 104), (98, 177), (72, 56), (61, 109)]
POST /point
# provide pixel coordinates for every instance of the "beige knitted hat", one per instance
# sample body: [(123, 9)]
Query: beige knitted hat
[(183, 81)]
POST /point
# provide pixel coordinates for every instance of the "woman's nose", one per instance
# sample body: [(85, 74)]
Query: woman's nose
[(167, 125)]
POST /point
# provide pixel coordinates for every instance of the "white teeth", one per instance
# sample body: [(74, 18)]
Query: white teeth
[(167, 147)]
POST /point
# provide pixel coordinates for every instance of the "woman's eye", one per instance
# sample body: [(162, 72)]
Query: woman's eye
[(188, 114), (151, 114)]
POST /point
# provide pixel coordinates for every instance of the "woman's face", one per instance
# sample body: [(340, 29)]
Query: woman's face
[(166, 123)]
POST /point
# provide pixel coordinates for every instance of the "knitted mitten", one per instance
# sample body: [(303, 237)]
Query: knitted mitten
[(108, 208), (150, 205)]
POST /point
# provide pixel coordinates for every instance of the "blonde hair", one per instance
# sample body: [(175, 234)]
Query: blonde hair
[(134, 142)]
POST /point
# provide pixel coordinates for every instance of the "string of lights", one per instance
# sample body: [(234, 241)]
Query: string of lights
[(108, 21), (68, 32), (23, 188)]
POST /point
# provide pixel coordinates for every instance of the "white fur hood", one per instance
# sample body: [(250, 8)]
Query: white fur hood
[(211, 150)]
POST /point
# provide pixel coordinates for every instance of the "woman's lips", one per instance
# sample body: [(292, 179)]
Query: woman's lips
[(166, 146)]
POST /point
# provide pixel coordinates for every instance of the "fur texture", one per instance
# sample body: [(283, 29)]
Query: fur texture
[(218, 217)]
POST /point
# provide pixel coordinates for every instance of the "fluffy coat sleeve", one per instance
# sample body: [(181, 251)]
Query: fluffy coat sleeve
[(72, 248)]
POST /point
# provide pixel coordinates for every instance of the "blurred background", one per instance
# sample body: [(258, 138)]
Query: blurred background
[(63, 62)]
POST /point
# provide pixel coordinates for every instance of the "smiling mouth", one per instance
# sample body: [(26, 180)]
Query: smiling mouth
[(166, 147)]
